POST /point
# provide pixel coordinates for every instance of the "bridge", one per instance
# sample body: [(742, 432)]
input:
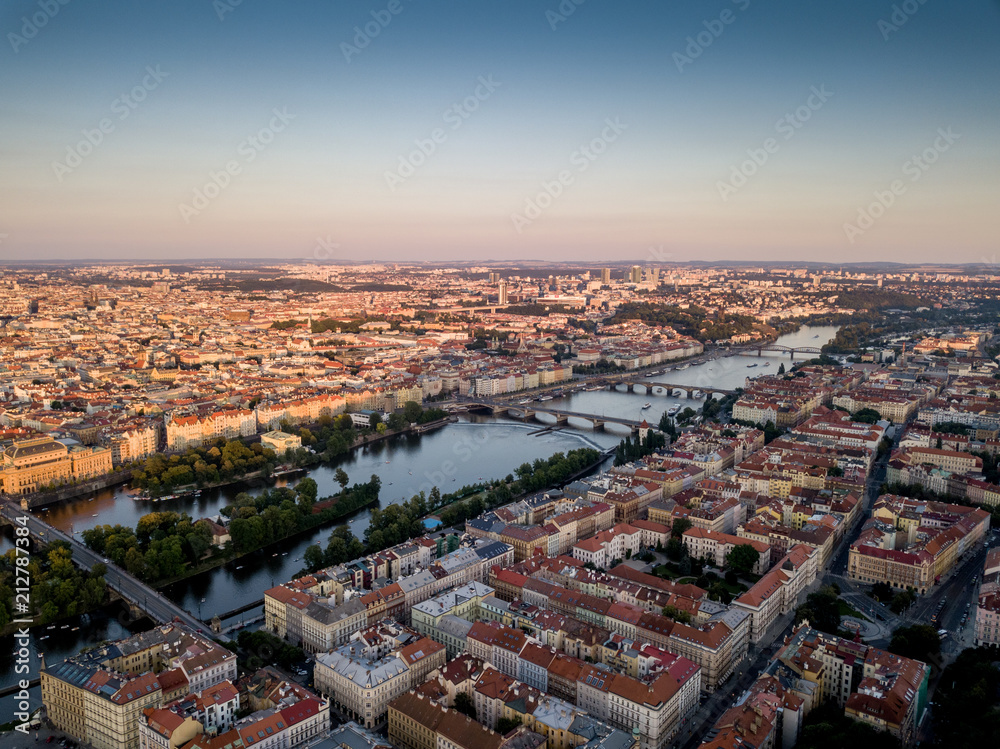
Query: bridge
[(141, 596), (528, 412), (775, 348), (668, 388)]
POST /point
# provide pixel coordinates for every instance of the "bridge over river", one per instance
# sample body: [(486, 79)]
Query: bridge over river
[(157, 606)]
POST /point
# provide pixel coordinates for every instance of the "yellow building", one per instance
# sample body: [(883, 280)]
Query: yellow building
[(32, 464)]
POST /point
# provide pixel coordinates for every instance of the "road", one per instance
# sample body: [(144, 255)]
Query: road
[(148, 599)]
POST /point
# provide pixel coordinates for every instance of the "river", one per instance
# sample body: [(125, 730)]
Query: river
[(475, 448)]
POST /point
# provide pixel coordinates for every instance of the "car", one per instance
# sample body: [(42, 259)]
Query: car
[(49, 739)]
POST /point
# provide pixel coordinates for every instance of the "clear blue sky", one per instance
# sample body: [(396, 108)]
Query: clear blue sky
[(693, 89)]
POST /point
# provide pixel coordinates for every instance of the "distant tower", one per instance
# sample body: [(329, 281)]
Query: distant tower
[(605, 275), (636, 274), (502, 293)]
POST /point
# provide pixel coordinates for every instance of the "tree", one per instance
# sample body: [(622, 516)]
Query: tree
[(340, 476), (866, 416), (822, 609), (306, 491), (677, 614), (679, 526), (781, 368), (465, 705), (313, 557), (742, 558), (919, 642), (506, 725)]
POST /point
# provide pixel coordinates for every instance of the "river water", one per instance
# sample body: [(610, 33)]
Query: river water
[(474, 449)]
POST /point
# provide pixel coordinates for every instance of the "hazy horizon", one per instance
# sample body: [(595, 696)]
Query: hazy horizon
[(399, 130)]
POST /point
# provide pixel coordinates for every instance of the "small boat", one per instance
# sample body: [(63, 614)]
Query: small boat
[(387, 461), (51, 626), (74, 629), (94, 515), (767, 364), (673, 410), (43, 637), (751, 366), (240, 567), (65, 626), (647, 405), (815, 336)]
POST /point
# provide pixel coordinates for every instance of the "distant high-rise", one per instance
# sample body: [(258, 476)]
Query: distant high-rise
[(502, 293), (636, 274), (654, 276), (605, 275), (494, 277)]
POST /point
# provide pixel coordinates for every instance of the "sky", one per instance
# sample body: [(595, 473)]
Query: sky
[(654, 131)]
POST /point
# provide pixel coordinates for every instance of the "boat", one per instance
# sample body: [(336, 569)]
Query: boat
[(815, 336), (673, 410), (545, 398), (767, 364), (683, 366), (240, 567), (751, 366), (646, 405)]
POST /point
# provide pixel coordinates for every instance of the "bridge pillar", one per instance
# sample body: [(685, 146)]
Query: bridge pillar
[(216, 624), (760, 351), (598, 426), (561, 419), (792, 354)]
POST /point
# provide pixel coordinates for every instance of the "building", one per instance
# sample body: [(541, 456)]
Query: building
[(376, 666), (34, 464), (280, 441), (99, 695), (988, 602)]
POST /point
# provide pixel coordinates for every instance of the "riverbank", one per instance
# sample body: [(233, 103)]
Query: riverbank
[(312, 460), (41, 499)]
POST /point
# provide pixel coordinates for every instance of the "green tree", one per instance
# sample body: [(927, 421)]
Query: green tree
[(341, 477), (918, 641), (742, 558), (313, 557), (465, 705)]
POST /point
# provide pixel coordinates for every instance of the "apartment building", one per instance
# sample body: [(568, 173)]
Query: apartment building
[(706, 544), (377, 665), (99, 696), (987, 620), (192, 430)]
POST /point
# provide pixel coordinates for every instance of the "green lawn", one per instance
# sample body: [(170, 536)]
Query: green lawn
[(847, 610)]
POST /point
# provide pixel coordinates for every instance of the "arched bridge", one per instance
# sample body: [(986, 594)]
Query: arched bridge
[(778, 349), (668, 388), (528, 412), (140, 595)]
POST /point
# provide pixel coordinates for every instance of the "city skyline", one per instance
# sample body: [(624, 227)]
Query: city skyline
[(564, 132)]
